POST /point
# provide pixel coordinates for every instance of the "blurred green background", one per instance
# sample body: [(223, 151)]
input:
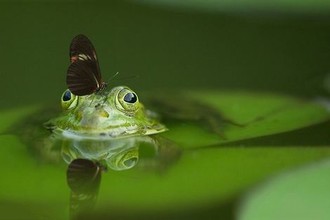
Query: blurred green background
[(278, 46)]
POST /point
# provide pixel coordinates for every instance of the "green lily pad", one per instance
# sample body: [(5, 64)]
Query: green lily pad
[(297, 195), (259, 114)]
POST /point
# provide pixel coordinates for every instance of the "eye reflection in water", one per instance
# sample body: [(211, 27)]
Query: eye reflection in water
[(87, 160)]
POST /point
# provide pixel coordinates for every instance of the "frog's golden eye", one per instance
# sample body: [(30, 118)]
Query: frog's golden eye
[(128, 100), (69, 100)]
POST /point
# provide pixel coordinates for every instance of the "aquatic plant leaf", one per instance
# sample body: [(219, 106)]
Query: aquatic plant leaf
[(259, 114), (299, 194)]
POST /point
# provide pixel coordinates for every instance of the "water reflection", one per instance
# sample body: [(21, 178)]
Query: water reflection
[(83, 178), (88, 159)]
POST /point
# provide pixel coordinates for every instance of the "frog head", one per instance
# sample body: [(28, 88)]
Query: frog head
[(110, 113)]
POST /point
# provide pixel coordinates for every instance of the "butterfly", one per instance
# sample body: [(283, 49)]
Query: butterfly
[(83, 75)]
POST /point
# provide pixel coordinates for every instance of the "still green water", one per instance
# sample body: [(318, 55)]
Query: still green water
[(247, 66)]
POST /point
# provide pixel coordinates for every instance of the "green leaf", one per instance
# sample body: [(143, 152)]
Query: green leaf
[(261, 114), (299, 194)]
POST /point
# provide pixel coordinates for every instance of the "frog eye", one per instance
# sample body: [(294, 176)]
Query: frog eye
[(69, 100), (128, 100), (130, 97)]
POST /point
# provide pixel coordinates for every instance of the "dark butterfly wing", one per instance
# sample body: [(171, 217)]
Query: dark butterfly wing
[(80, 44), (81, 78), (84, 76)]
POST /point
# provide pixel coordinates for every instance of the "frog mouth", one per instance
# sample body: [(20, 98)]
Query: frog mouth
[(112, 133), (117, 132)]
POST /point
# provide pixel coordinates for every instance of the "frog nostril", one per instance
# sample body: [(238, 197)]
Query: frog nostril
[(104, 114)]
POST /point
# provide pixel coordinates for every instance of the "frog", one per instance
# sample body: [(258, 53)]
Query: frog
[(107, 128), (115, 113)]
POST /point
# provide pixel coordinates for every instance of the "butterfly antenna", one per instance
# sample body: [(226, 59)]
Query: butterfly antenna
[(130, 77), (114, 76)]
